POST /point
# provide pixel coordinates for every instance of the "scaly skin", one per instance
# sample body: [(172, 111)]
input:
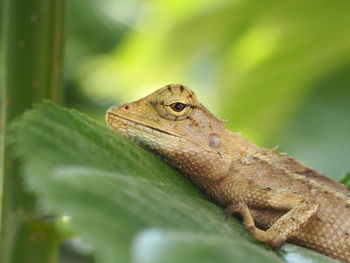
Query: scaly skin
[(278, 198)]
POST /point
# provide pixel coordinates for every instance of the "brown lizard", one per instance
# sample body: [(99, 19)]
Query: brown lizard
[(278, 198)]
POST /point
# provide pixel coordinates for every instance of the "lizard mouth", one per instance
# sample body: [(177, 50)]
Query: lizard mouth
[(123, 124)]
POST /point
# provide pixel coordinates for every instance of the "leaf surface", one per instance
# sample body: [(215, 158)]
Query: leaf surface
[(128, 205)]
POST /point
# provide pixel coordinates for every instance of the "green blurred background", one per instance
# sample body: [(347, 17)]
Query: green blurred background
[(278, 71)]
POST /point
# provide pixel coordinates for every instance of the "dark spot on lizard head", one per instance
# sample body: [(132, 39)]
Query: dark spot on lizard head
[(194, 123)]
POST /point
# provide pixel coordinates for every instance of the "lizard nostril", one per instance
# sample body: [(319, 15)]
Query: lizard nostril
[(126, 107)]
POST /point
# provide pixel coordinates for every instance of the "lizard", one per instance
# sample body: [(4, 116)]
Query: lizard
[(278, 198)]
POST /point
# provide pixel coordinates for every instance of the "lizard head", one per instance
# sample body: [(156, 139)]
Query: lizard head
[(169, 119), (173, 124)]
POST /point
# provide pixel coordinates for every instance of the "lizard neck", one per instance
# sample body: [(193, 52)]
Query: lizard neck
[(202, 164)]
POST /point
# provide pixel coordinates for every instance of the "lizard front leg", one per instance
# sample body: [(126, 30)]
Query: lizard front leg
[(298, 209)]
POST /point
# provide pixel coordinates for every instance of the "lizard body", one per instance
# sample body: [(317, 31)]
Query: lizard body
[(278, 198)]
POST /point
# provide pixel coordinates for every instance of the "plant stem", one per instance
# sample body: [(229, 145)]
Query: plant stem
[(31, 70)]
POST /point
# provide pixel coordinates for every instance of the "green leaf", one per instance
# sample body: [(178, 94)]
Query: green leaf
[(128, 205), (346, 180)]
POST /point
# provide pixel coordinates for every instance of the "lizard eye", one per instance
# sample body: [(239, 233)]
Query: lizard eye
[(174, 102), (178, 106)]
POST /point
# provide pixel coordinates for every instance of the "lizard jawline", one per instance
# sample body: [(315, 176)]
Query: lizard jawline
[(139, 124)]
